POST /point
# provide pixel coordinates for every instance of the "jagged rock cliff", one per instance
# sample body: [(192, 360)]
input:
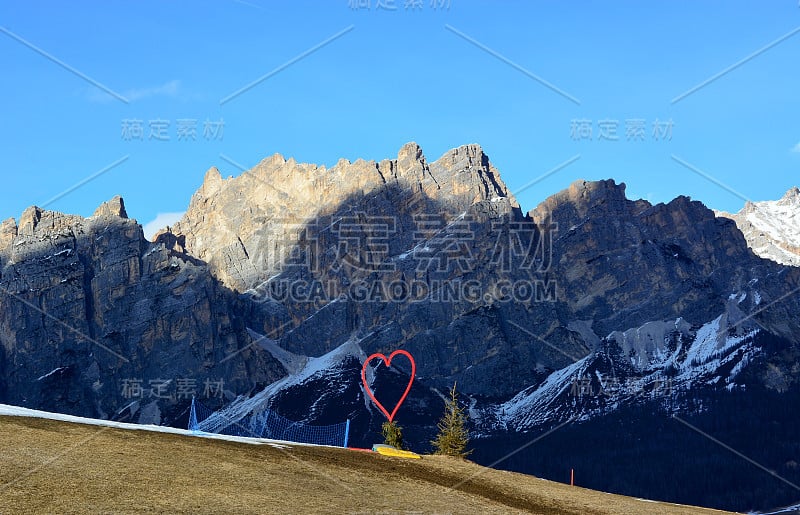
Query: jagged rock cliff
[(231, 222), (594, 261), (622, 263), (89, 309)]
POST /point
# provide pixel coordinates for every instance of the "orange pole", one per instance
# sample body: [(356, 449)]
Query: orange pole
[(571, 477)]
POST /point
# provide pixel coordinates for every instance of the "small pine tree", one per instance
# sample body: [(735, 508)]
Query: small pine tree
[(453, 435), (392, 434)]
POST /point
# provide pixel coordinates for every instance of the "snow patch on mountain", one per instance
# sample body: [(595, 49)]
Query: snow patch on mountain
[(656, 361), (293, 363), (772, 227), (712, 343), (312, 368), (536, 404), (55, 371), (780, 219)]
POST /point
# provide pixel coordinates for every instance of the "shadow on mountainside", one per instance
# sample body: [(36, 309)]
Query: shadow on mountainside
[(480, 294)]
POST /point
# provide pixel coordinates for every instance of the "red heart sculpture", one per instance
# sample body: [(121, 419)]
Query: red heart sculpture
[(388, 364)]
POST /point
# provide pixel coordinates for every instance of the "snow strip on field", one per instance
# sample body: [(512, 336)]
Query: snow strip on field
[(16, 411)]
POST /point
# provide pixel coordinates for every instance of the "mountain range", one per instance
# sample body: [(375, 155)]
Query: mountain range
[(624, 339)]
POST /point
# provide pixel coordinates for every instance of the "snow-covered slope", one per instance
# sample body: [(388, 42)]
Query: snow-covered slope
[(788, 510), (657, 362), (772, 228), (302, 371)]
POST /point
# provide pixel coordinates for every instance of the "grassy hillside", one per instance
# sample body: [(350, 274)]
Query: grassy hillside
[(49, 466)]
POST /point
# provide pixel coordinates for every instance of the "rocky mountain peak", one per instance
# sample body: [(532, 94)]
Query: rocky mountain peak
[(212, 182), (592, 192), (227, 219), (38, 222), (29, 220), (411, 162), (792, 196), (772, 227), (269, 166), (113, 207), (581, 197), (411, 150), (8, 231), (275, 159)]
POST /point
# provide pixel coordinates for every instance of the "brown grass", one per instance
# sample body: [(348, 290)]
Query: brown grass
[(57, 467)]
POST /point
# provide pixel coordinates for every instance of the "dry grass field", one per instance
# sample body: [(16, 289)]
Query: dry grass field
[(49, 466)]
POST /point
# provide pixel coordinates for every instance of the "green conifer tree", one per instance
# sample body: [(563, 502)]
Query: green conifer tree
[(392, 434), (453, 436)]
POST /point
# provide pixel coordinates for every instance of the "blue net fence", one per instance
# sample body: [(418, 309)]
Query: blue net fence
[(265, 423)]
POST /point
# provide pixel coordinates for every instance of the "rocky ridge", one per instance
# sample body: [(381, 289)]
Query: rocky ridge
[(228, 219), (91, 313), (280, 281)]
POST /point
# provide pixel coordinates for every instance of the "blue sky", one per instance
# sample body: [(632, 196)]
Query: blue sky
[(517, 77)]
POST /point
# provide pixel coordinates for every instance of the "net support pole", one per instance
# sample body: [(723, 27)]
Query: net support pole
[(346, 432), (193, 417)]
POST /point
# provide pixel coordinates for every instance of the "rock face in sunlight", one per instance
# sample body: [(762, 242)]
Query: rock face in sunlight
[(230, 223)]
